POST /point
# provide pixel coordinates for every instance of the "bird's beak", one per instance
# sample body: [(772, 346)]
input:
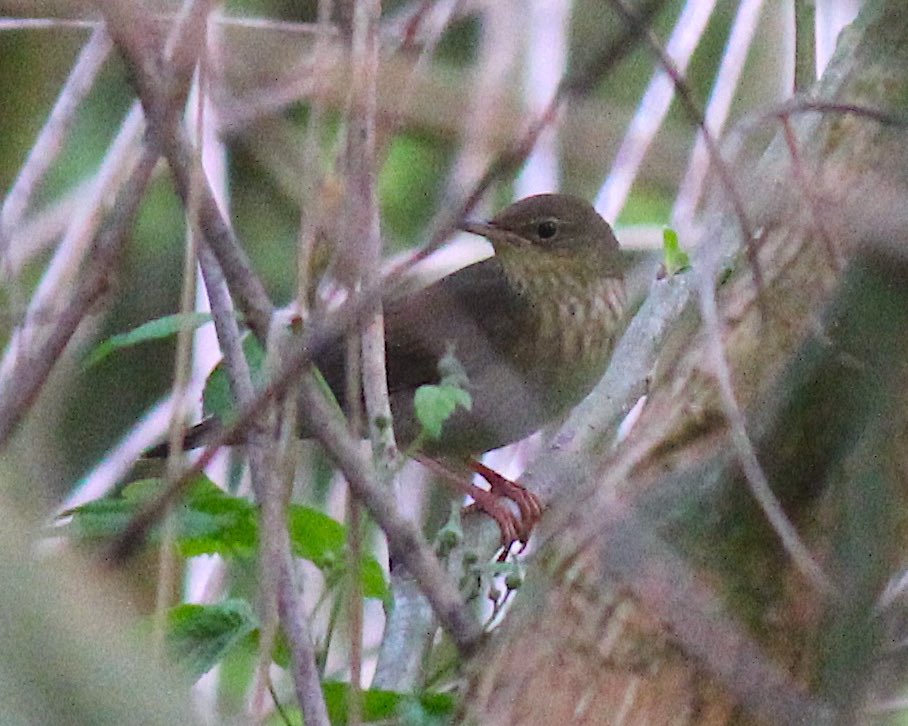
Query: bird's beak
[(483, 229), (498, 236)]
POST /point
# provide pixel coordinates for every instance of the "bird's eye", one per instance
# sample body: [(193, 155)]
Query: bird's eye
[(547, 229)]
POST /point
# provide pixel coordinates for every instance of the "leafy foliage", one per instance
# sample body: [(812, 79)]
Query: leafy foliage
[(435, 404), (157, 329), (199, 636), (211, 521), (674, 258), (432, 709)]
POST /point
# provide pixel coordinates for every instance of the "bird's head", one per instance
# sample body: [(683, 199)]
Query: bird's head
[(556, 226)]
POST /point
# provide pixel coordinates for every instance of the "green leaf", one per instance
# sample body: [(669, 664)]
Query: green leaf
[(674, 258), (316, 537), (215, 522), (211, 521), (199, 636), (432, 708), (436, 404), (105, 518), (152, 330), (373, 580), (217, 399)]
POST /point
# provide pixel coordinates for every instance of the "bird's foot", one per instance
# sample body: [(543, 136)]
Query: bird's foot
[(513, 528), (508, 523), (528, 503)]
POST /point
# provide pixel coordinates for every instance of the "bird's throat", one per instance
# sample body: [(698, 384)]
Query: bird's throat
[(575, 308)]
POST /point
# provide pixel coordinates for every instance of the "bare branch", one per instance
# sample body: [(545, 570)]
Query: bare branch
[(132, 30), (31, 369), (50, 140), (653, 108)]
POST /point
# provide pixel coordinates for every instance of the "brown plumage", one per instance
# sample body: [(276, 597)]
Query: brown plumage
[(532, 326)]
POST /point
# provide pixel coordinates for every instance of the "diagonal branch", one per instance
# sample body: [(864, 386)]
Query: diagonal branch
[(132, 29)]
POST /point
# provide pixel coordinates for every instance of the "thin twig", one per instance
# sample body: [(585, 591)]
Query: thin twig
[(408, 630), (31, 369), (311, 173), (51, 137), (364, 237), (167, 562), (693, 111), (807, 189), (753, 472), (803, 105), (365, 232), (132, 29), (653, 108), (296, 626), (740, 39)]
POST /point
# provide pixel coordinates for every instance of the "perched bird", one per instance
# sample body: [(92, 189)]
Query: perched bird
[(533, 328)]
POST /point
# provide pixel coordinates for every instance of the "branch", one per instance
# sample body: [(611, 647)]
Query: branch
[(32, 368), (405, 543), (132, 29), (50, 140)]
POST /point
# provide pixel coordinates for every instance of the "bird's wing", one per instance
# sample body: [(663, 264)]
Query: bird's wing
[(471, 312)]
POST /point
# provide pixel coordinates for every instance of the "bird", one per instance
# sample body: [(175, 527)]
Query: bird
[(532, 329)]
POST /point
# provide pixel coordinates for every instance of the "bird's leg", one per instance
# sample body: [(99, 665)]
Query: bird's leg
[(490, 503), (528, 503)]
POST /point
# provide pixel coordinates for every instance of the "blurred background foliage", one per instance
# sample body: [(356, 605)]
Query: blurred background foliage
[(91, 409), (424, 141)]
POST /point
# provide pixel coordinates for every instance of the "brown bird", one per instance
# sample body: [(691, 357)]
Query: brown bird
[(533, 328)]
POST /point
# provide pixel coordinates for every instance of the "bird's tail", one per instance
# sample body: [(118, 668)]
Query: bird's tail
[(195, 437)]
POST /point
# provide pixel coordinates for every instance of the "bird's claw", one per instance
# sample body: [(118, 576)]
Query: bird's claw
[(513, 528), (527, 503), (508, 523)]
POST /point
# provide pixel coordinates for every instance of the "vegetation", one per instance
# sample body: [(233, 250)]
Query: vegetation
[(723, 539)]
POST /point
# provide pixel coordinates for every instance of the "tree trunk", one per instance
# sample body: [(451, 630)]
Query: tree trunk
[(662, 593)]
